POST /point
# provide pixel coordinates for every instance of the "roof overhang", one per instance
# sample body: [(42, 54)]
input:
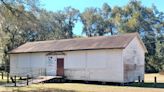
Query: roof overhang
[(64, 50)]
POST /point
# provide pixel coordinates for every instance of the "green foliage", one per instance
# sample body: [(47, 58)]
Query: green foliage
[(57, 25), (19, 25), (133, 17), (24, 20), (97, 22), (15, 24)]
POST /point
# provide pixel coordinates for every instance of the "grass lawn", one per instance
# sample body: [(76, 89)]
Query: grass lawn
[(4, 80), (149, 81), (81, 87)]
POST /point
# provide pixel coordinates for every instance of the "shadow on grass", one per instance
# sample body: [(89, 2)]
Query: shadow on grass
[(4, 81), (134, 84), (146, 85), (44, 90)]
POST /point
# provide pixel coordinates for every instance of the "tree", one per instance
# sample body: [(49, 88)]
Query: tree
[(57, 25), (24, 20), (94, 23), (148, 22), (16, 6), (13, 15), (133, 17)]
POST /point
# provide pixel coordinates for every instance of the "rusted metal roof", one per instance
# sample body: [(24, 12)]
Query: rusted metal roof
[(89, 43)]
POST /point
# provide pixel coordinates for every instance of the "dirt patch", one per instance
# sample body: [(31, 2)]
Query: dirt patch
[(161, 72)]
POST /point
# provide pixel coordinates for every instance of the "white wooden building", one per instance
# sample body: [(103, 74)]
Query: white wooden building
[(118, 58)]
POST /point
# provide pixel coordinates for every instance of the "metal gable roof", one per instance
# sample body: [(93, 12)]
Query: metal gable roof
[(88, 43)]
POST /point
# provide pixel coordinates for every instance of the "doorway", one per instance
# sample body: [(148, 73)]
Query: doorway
[(60, 67)]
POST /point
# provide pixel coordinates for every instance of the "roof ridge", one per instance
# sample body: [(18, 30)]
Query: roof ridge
[(134, 33)]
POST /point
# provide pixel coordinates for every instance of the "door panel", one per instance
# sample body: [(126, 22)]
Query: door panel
[(60, 66)]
